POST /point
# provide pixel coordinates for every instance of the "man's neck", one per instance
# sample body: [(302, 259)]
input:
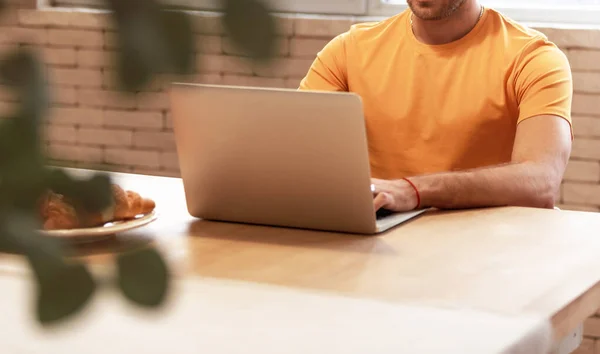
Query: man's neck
[(448, 29)]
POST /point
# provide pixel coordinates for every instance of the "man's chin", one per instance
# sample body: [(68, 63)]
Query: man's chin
[(427, 16), (426, 13)]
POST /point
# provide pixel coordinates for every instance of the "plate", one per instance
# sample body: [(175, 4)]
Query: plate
[(105, 231)]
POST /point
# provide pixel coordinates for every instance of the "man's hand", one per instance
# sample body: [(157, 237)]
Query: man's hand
[(396, 195)]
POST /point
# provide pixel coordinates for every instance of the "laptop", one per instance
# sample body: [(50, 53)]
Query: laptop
[(278, 157)]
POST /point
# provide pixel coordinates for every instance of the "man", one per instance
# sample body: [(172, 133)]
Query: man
[(463, 107)]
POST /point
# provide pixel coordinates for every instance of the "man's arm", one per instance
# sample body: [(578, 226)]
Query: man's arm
[(541, 153)]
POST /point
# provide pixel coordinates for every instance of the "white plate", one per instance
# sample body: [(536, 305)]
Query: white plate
[(105, 231)]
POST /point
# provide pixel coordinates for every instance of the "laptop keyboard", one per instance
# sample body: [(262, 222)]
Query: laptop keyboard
[(382, 213)]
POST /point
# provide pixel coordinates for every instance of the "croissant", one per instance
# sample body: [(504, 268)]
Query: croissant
[(58, 213)]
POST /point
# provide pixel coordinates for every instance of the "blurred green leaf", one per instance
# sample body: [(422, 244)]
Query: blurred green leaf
[(92, 194), (20, 229), (133, 70), (22, 70), (141, 50), (63, 289), (152, 41), (251, 27), (179, 38), (143, 277)]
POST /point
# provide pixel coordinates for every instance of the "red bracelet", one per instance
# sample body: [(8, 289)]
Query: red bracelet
[(416, 191)]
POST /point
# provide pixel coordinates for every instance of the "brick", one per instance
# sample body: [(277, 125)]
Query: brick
[(292, 82), (92, 19), (210, 63), (111, 40), (79, 18), (284, 68), (110, 81), (591, 327), (85, 117), (283, 47), (306, 47), (168, 121), (365, 19), (210, 79), (209, 44), (586, 126), (153, 101), (297, 67), (108, 137), (61, 134), (586, 82), (149, 159), (42, 18), (59, 56), (12, 35), (231, 48), (169, 161), (70, 152), (583, 171), (586, 149), (63, 95), (7, 48), (75, 38), (207, 23), (158, 84), (588, 346), (573, 207), (8, 109), (224, 64), (585, 60), (95, 59), (104, 99), (285, 24), (22, 4), (581, 194), (321, 26), (8, 95), (572, 38), (76, 77), (238, 80), (163, 141), (133, 119), (236, 65), (10, 16)]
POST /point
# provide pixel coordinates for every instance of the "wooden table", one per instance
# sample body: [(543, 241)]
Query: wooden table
[(528, 265)]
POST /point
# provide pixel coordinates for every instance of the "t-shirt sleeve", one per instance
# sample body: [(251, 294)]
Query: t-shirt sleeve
[(328, 71), (544, 85)]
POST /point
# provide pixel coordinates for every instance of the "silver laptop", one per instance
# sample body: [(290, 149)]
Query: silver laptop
[(278, 157)]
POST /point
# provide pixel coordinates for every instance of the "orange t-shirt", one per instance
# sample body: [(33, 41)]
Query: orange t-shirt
[(436, 108)]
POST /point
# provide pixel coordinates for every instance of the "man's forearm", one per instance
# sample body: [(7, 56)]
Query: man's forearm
[(519, 184)]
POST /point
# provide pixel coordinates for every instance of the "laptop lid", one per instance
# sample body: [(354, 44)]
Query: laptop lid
[(274, 156)]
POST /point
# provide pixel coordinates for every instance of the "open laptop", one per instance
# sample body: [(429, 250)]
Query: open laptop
[(278, 157)]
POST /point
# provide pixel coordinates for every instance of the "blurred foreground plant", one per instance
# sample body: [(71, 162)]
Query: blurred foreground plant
[(153, 41)]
